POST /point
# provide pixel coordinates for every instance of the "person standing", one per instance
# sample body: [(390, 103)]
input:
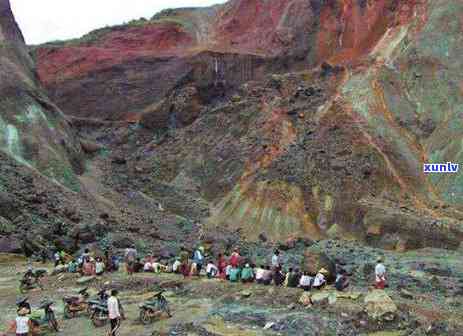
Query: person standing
[(130, 259), (115, 312), (380, 274), (235, 258), (198, 259), (22, 324), (276, 260)]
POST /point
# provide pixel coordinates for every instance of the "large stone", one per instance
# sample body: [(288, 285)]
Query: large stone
[(305, 299), (85, 280), (314, 261), (321, 298), (6, 227), (10, 245), (379, 305)]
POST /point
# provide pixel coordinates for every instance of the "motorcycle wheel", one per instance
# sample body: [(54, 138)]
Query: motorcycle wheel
[(52, 323), (67, 312), (89, 310), (144, 317), (99, 319), (167, 310)]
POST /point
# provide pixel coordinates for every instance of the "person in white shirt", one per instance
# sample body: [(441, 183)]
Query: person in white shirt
[(211, 270), (319, 281), (99, 266), (22, 324), (115, 312), (176, 266), (148, 267), (260, 271), (380, 275), (305, 282), (276, 260)]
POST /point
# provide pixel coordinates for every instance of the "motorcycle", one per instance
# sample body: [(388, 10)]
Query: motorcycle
[(46, 322), (31, 280), (76, 303), (153, 308), (101, 299), (100, 314)]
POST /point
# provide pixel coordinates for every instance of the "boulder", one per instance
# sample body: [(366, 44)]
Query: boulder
[(245, 294), (321, 298), (59, 269), (314, 261), (85, 279), (10, 245), (305, 299), (6, 227), (9, 207), (89, 146), (379, 305)]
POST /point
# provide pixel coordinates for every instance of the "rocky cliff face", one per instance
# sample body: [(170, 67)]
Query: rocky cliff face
[(333, 143)]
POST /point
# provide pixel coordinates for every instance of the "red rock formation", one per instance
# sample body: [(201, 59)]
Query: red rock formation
[(129, 60)]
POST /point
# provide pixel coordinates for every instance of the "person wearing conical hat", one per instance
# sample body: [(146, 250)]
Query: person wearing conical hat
[(319, 281)]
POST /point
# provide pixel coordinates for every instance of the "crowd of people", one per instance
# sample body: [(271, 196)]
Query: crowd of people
[(86, 264), (233, 268), (236, 268)]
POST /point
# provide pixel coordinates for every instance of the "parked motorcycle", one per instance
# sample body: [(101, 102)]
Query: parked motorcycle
[(153, 308), (76, 303), (45, 322), (100, 299), (100, 314), (31, 280)]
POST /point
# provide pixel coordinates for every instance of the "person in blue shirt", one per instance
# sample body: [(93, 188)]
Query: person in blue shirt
[(198, 259)]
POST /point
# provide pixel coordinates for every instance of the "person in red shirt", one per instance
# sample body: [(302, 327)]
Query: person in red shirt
[(222, 265), (235, 258)]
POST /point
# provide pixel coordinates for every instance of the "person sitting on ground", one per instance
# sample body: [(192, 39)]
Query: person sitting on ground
[(342, 281), (148, 267), (156, 266), (247, 274), (138, 266), (88, 267), (22, 325), (211, 270), (99, 266), (380, 274), (267, 276), (278, 276), (57, 258), (222, 265), (276, 260), (293, 279), (288, 274), (176, 265), (235, 258), (227, 271), (235, 274), (305, 282), (260, 274), (319, 281), (72, 266), (198, 258)]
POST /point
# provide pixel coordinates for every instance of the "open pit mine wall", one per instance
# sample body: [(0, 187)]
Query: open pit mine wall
[(402, 90), (33, 131)]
